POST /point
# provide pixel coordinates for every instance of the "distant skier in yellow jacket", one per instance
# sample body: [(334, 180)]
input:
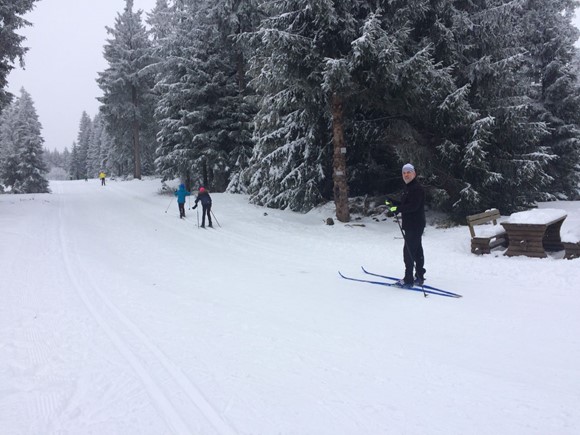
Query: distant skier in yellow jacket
[(102, 177)]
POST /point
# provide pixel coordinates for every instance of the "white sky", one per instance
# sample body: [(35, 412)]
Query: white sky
[(66, 52), (66, 45)]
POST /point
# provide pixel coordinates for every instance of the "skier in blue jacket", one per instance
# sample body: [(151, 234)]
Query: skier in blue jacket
[(205, 199), (181, 193)]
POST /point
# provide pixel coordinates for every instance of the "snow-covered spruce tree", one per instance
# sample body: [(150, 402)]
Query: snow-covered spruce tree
[(75, 165), (431, 121), (11, 49), (128, 101), (65, 160), (550, 37), (8, 147), (234, 19), (300, 75), (499, 160), (26, 156), (172, 42), (203, 111), (82, 144), (107, 151), (97, 147), (161, 20), (327, 72), (408, 101)]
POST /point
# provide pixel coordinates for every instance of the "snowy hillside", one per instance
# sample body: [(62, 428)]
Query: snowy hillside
[(117, 317)]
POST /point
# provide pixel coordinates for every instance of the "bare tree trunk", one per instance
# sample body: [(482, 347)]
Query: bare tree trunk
[(339, 161), (240, 72), (135, 131)]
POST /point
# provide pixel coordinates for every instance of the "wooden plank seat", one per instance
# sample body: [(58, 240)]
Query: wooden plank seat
[(572, 250), (489, 235)]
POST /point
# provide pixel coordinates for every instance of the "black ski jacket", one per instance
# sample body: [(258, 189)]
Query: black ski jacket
[(412, 206), (204, 198)]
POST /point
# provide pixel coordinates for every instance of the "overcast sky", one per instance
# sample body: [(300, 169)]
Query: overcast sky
[(66, 52)]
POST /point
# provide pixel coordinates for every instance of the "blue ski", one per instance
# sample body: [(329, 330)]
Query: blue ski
[(389, 284), (424, 285)]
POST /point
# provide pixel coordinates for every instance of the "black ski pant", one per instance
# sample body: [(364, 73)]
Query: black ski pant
[(205, 210), (413, 254), (181, 206)]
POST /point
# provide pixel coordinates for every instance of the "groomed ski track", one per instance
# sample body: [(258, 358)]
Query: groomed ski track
[(181, 403)]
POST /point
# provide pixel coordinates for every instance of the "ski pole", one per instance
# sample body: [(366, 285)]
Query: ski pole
[(170, 202), (218, 222), (408, 249)]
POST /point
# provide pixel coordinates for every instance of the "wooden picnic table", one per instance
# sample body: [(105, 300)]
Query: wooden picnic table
[(534, 232)]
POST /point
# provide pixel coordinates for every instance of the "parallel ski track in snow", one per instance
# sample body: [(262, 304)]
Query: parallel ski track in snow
[(168, 387)]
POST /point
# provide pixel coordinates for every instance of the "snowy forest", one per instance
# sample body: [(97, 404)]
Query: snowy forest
[(22, 167), (299, 102)]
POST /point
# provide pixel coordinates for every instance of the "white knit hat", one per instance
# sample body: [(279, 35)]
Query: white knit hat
[(408, 168)]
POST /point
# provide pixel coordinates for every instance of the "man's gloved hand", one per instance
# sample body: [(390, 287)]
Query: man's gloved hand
[(194, 207), (390, 206)]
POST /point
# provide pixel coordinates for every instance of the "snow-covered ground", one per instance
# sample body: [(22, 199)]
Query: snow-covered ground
[(117, 317)]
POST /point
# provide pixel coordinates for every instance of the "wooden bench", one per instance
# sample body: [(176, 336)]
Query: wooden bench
[(489, 237)]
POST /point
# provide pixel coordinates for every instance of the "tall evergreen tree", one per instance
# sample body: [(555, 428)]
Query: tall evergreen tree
[(549, 37), (127, 101), (173, 155), (95, 162), (24, 167), (100, 147), (322, 66), (512, 157), (204, 112), (298, 46), (161, 20), (492, 153), (83, 143), (8, 145), (11, 49), (76, 166)]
